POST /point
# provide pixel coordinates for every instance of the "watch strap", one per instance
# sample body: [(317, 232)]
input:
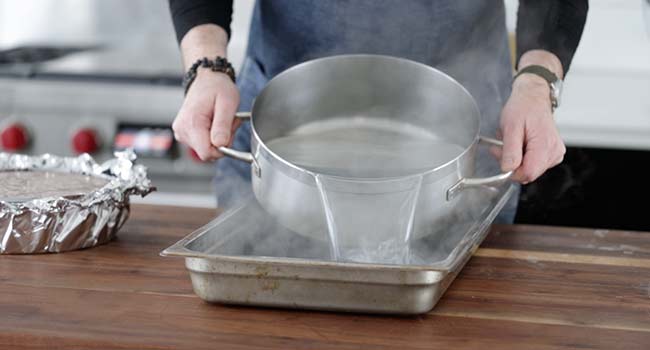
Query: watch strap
[(546, 74), (541, 71)]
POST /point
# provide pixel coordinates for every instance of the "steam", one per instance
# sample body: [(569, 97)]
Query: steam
[(380, 141), (248, 230), (364, 224)]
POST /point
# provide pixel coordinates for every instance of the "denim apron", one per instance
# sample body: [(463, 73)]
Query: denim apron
[(466, 39)]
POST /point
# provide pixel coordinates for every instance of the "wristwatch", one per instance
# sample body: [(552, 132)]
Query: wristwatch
[(553, 81)]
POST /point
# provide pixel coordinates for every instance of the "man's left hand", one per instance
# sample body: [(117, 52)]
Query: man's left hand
[(531, 141)]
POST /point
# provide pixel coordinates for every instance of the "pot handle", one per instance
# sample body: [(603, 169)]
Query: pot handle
[(239, 155), (495, 180)]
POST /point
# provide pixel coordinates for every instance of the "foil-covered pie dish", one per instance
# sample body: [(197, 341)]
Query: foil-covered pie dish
[(52, 204)]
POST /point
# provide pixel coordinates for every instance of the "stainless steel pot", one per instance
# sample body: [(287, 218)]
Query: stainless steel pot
[(372, 88)]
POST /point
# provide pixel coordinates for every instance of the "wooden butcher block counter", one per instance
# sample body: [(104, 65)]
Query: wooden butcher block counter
[(527, 287)]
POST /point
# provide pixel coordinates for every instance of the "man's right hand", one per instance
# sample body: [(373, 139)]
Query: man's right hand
[(205, 120)]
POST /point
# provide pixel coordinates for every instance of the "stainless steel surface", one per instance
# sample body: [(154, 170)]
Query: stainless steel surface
[(246, 257), (378, 90), (65, 219)]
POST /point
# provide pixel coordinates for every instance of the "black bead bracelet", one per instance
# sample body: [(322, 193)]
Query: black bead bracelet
[(219, 64)]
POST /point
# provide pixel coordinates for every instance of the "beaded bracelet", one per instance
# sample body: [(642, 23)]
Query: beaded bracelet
[(219, 64)]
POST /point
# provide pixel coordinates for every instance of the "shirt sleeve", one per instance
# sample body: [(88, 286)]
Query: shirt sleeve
[(552, 25), (187, 14)]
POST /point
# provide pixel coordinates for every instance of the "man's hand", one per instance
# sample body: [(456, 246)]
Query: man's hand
[(531, 141), (206, 120)]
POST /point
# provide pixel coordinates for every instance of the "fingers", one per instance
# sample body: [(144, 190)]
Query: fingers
[(497, 152), (195, 135), (560, 151), (222, 127), (534, 164), (202, 146), (235, 125), (513, 143), (542, 153)]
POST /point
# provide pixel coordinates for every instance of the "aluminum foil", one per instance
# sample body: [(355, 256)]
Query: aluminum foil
[(60, 223)]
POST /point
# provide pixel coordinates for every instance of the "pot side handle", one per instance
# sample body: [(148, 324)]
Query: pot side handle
[(465, 183), (239, 155)]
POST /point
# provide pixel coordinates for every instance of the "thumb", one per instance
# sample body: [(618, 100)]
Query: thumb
[(513, 145)]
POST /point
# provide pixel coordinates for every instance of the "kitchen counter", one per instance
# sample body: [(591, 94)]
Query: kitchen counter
[(527, 287)]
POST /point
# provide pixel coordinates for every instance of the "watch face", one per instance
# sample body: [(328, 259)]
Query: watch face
[(556, 91)]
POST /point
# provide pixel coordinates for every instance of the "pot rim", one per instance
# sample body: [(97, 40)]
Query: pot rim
[(289, 165)]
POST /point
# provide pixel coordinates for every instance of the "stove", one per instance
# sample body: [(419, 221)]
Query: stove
[(68, 100)]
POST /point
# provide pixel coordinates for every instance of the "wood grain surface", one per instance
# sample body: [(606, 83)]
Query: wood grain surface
[(528, 287)]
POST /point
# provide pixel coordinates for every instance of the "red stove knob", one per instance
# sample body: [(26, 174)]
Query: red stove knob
[(85, 140), (14, 137)]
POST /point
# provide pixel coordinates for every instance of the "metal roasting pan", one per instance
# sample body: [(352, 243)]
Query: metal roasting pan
[(237, 260)]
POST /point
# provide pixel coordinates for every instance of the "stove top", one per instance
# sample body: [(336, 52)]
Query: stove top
[(123, 64), (30, 54)]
